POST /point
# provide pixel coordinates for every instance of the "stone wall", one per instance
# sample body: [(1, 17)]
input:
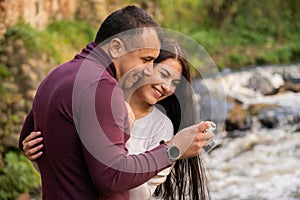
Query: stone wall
[(37, 13)]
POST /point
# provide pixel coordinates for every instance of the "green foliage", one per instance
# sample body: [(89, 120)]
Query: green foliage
[(72, 32), (17, 176), (60, 40), (295, 50), (25, 32), (236, 59), (4, 72), (210, 39), (280, 54), (63, 39), (236, 33)]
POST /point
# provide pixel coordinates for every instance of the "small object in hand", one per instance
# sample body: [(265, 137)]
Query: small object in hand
[(212, 145), (212, 127)]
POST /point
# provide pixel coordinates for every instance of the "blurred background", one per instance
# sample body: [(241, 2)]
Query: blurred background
[(255, 45)]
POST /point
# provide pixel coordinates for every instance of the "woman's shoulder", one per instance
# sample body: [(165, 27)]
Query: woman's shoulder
[(158, 115), (160, 119), (155, 122), (162, 127)]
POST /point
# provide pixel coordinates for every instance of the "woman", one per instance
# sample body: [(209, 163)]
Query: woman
[(187, 179), (170, 91)]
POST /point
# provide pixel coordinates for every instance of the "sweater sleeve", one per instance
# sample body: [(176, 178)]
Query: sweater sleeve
[(101, 120), (27, 128)]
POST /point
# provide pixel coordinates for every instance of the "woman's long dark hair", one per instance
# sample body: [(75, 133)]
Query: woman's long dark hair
[(187, 179)]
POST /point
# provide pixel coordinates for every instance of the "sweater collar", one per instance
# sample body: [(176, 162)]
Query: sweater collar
[(95, 53)]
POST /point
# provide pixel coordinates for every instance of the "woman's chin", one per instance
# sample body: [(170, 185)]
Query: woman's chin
[(152, 101)]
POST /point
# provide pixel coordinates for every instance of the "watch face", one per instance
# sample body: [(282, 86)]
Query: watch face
[(174, 152)]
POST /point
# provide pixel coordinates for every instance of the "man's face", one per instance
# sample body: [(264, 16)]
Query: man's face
[(133, 65)]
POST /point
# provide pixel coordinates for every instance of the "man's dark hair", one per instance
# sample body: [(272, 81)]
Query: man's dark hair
[(123, 20)]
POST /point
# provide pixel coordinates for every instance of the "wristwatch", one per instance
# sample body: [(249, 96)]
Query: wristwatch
[(173, 152)]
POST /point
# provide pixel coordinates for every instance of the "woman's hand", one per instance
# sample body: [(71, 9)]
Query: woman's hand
[(31, 146)]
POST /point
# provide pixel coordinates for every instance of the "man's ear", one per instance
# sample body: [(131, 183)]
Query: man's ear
[(115, 48)]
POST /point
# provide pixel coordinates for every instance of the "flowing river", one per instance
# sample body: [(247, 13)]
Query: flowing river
[(263, 165), (260, 163)]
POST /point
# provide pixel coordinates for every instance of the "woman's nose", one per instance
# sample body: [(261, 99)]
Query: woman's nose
[(166, 87)]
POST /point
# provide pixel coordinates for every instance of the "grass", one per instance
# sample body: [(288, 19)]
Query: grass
[(60, 40), (244, 48)]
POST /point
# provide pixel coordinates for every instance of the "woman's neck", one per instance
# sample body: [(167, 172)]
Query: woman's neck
[(140, 108)]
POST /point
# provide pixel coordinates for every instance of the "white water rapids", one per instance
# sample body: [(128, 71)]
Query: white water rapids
[(263, 165)]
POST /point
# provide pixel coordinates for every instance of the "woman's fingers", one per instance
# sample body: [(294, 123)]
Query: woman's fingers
[(35, 141), (31, 147), (35, 156), (34, 153), (33, 150), (31, 136), (29, 144)]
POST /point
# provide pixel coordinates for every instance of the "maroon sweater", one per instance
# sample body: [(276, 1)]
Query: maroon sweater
[(79, 108)]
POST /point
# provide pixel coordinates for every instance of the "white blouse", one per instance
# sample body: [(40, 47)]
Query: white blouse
[(145, 135)]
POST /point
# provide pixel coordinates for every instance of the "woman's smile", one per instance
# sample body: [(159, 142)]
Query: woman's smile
[(157, 93)]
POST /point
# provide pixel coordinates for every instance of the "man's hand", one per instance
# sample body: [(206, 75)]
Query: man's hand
[(192, 139), (30, 146)]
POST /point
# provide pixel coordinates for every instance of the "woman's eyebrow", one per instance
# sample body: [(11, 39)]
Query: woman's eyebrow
[(167, 71)]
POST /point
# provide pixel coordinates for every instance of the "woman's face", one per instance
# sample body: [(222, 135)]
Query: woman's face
[(166, 76)]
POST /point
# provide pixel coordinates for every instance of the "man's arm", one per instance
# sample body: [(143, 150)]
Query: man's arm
[(101, 119)]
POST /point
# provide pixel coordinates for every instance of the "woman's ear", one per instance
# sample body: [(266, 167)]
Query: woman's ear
[(115, 48)]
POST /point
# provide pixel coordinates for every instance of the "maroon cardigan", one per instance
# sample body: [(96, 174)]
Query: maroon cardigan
[(79, 108)]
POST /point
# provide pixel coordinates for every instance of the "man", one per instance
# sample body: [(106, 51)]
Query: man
[(80, 110)]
